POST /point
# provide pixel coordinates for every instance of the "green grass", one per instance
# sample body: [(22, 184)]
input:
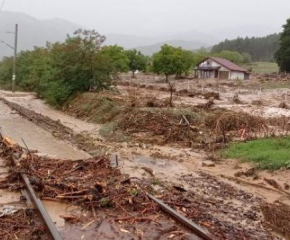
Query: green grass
[(263, 67), (270, 153)]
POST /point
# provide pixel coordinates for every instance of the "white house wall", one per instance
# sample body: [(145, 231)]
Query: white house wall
[(233, 75), (213, 64), (237, 76)]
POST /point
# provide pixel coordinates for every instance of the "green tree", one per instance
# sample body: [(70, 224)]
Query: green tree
[(231, 56), (60, 70), (74, 67), (200, 55), (117, 58), (6, 72), (137, 61), (282, 55), (247, 58), (171, 60), (261, 49)]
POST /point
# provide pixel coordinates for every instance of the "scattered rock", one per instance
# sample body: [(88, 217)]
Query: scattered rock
[(257, 102), (124, 144), (179, 188), (286, 186), (208, 164), (283, 105), (236, 99), (148, 170), (272, 182), (142, 145)]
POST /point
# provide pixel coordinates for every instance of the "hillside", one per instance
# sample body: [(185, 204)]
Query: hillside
[(188, 45), (32, 32)]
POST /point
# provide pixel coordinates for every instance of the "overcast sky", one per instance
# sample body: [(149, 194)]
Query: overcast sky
[(153, 17)]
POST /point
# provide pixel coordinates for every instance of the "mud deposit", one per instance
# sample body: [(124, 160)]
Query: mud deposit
[(216, 197)]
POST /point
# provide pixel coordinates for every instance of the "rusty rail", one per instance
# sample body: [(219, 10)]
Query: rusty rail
[(43, 213), (38, 204), (199, 231)]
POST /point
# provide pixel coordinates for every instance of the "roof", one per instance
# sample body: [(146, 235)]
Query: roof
[(226, 63), (207, 68)]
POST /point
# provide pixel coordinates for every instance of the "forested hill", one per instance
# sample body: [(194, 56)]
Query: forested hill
[(262, 49)]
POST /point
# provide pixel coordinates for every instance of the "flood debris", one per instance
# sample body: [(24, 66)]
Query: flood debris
[(107, 195), (8, 210), (93, 184), (22, 224), (277, 216)]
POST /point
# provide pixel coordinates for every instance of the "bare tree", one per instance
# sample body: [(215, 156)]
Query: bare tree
[(171, 87)]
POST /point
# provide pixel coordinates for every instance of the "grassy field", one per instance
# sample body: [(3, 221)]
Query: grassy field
[(263, 67), (271, 153)]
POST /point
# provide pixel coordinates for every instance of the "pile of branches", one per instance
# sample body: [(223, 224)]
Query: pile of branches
[(91, 183), (169, 128), (24, 224), (278, 217)]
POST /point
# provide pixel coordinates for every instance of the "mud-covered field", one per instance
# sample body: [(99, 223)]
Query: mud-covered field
[(173, 150)]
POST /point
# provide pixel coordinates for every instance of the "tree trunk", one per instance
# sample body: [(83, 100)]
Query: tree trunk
[(166, 79), (171, 96), (133, 74)]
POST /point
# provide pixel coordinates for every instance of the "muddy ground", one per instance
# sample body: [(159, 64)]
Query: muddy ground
[(227, 192)]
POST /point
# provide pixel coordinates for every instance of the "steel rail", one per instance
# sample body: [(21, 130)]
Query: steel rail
[(199, 231), (38, 204), (43, 213)]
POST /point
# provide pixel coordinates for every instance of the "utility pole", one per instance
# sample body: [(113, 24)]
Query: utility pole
[(14, 59)]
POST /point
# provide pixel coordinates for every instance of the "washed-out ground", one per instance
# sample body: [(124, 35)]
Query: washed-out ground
[(232, 192)]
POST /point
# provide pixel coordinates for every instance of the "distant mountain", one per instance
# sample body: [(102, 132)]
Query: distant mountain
[(129, 41), (248, 30), (32, 32), (196, 36), (188, 45), (188, 40)]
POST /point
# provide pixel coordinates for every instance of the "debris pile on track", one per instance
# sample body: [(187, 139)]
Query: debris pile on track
[(22, 224), (92, 183), (99, 188)]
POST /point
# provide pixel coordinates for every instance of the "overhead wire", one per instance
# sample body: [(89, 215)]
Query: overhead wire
[(2, 5)]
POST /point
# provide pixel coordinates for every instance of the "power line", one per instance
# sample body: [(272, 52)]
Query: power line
[(2, 5), (8, 45)]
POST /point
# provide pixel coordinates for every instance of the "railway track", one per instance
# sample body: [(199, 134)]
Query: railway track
[(48, 124), (34, 199), (50, 227)]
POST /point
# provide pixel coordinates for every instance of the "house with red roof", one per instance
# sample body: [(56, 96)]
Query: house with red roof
[(219, 68)]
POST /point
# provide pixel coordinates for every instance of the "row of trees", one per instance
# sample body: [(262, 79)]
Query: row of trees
[(261, 49), (80, 63), (60, 70)]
